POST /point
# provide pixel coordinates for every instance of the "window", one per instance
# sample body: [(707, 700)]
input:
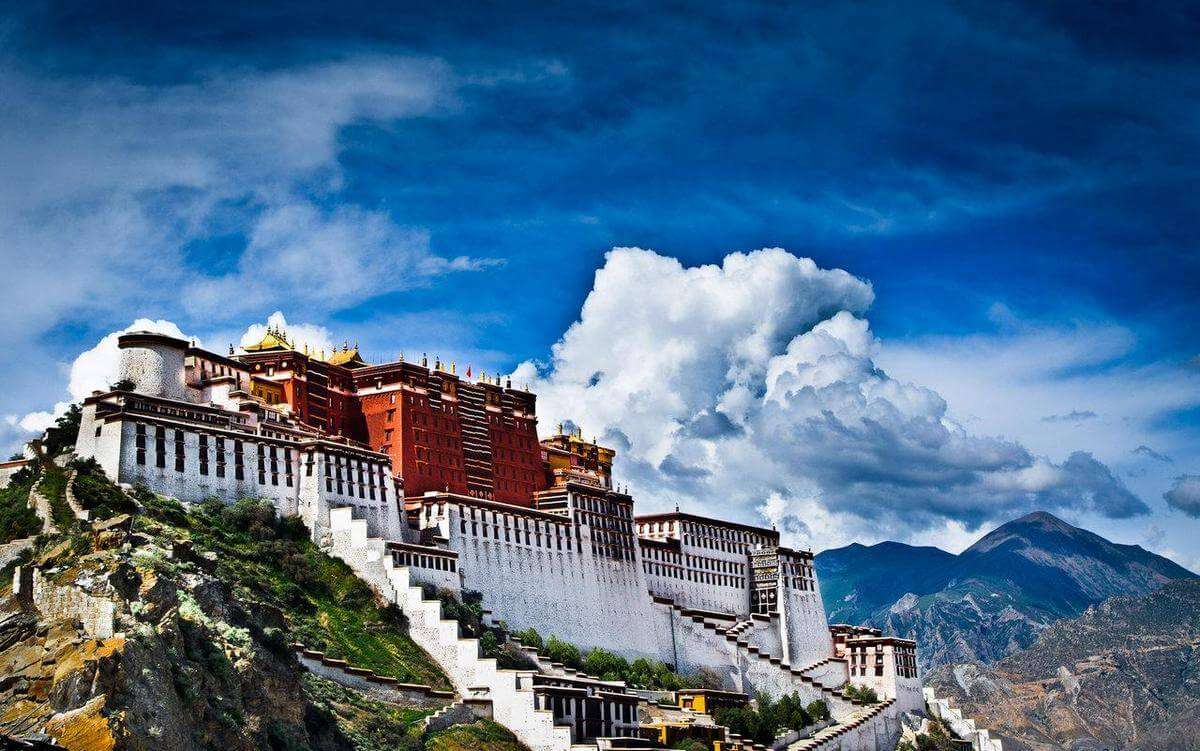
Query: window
[(262, 465), (239, 461), (220, 457), (203, 454), (178, 450), (274, 465), (160, 447), (140, 443)]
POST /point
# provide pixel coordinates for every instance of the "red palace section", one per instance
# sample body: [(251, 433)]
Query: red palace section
[(443, 433)]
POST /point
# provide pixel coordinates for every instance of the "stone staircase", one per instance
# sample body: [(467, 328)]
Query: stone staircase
[(41, 504), (366, 681), (474, 678), (821, 670), (738, 628), (459, 712), (80, 512), (840, 737), (840, 705)]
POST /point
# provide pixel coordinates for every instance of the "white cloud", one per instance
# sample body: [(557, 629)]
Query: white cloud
[(94, 369), (109, 185), (751, 389), (321, 260), (1007, 382), (114, 196)]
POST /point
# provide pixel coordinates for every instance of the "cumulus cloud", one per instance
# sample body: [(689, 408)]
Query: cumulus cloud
[(94, 369), (1185, 495), (751, 389)]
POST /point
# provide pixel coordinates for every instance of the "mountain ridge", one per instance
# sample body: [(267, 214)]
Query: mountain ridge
[(995, 597), (1124, 674)]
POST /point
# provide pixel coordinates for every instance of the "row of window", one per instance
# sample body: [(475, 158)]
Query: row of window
[(353, 477), (275, 464), (423, 560), (700, 577), (492, 524)]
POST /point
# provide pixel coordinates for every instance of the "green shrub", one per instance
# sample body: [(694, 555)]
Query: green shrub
[(561, 651), (818, 710), (605, 665), (769, 719), (530, 638), (96, 493), (860, 693), (64, 432), (17, 519)]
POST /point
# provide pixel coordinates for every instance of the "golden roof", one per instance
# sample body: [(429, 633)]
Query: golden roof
[(274, 339), (347, 357)]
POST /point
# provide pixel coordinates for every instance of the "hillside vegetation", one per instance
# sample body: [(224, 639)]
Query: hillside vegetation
[(207, 600)]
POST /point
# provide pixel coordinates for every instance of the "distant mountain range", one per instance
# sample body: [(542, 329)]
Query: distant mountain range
[(1124, 675), (994, 598)]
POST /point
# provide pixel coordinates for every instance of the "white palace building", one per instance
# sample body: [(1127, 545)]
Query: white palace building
[(415, 476)]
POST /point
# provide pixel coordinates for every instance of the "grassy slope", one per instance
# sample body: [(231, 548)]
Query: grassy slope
[(325, 605), (480, 735)]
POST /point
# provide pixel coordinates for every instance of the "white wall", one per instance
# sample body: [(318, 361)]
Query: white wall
[(579, 597)]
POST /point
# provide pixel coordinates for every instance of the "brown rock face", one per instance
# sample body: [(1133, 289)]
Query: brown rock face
[(1124, 675), (187, 669)]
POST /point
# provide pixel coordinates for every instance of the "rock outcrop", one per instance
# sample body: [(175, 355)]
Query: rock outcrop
[(127, 637)]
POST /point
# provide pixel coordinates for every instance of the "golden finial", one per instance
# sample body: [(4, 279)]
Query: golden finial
[(453, 367)]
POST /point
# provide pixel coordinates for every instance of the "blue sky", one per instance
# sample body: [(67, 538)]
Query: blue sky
[(1013, 180)]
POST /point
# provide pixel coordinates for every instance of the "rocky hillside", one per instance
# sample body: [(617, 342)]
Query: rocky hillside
[(1125, 674), (994, 598), (170, 629)]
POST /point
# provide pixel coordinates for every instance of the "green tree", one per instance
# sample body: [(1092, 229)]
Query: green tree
[(561, 651)]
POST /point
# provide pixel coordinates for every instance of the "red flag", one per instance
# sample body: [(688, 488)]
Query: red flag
[(468, 371)]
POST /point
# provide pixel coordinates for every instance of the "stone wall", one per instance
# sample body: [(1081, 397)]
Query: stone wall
[(8, 469), (553, 582), (368, 683), (807, 631), (65, 602)]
